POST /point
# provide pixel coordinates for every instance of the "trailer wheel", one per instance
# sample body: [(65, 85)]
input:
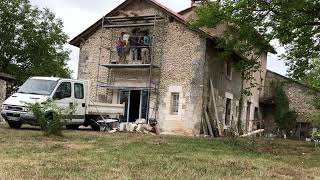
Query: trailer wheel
[(14, 125)]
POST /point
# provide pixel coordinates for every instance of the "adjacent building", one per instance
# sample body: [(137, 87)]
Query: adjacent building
[(300, 98)]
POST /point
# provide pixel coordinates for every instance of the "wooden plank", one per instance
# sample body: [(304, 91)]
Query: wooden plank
[(129, 66), (131, 17), (220, 128), (208, 123), (204, 127), (137, 19), (128, 25)]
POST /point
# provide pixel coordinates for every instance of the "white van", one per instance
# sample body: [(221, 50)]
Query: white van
[(64, 92)]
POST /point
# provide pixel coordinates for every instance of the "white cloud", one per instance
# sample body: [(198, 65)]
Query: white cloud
[(78, 15)]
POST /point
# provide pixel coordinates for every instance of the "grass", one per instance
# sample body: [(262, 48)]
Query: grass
[(27, 154)]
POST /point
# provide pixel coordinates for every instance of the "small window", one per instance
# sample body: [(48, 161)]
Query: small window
[(63, 91), (78, 91), (174, 103), (229, 70)]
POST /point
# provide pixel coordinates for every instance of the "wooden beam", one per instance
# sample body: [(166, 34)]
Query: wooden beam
[(220, 126), (208, 123), (131, 17), (204, 126), (128, 25)]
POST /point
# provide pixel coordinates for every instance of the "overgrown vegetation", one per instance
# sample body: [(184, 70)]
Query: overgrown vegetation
[(315, 117), (51, 117), (25, 154), (284, 117), (253, 24)]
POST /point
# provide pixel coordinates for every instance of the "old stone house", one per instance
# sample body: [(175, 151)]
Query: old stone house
[(300, 99), (174, 85), (3, 84)]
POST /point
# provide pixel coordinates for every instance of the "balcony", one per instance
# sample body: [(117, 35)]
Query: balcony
[(266, 95)]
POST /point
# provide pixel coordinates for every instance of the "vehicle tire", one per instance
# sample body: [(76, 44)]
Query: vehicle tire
[(94, 125), (72, 126), (15, 125)]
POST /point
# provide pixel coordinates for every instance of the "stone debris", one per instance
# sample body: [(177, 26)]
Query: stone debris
[(139, 126)]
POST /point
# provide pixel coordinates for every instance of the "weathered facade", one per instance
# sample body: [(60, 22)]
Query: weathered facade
[(186, 63), (300, 99)]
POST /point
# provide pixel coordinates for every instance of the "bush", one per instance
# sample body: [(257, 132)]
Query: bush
[(50, 117)]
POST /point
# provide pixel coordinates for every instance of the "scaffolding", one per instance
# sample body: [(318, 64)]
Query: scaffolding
[(152, 78)]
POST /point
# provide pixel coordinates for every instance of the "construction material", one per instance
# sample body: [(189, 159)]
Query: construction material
[(219, 124), (204, 126), (150, 128), (253, 133), (127, 25), (208, 123)]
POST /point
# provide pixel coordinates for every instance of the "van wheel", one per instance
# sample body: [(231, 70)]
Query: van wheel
[(94, 124), (72, 127), (15, 125)]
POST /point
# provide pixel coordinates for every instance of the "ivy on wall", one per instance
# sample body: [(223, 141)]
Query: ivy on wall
[(284, 117)]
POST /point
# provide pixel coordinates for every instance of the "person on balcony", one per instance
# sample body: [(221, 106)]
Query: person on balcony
[(135, 44), (145, 52), (120, 44)]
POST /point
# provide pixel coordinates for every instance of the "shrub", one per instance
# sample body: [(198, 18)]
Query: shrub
[(50, 117)]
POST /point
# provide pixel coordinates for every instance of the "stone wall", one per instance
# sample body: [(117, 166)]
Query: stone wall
[(2, 94), (182, 72)]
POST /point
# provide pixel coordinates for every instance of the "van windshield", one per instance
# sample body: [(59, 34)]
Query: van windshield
[(38, 86)]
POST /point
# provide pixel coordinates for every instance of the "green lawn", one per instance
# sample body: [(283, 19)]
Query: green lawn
[(26, 154)]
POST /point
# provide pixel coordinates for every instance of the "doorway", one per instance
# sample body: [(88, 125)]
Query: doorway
[(135, 104), (248, 115)]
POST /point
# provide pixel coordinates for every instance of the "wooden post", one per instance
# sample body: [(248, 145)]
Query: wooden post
[(220, 128), (204, 127), (208, 123)]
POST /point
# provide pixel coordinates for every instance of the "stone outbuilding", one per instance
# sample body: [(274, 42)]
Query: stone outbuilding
[(300, 99), (4, 78), (178, 79)]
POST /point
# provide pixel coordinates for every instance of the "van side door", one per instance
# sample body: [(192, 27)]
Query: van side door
[(80, 102), (63, 95)]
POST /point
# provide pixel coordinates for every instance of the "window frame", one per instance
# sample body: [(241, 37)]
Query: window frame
[(74, 86), (175, 103), (70, 94)]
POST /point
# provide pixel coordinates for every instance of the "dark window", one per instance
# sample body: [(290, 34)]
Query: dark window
[(63, 91), (229, 70), (78, 91), (228, 112)]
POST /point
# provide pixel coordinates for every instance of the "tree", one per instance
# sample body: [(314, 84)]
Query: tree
[(254, 23), (31, 42), (284, 117)]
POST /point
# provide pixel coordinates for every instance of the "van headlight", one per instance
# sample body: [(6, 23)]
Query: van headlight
[(3, 107), (25, 109)]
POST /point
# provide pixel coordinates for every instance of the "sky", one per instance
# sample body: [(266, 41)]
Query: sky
[(78, 15)]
